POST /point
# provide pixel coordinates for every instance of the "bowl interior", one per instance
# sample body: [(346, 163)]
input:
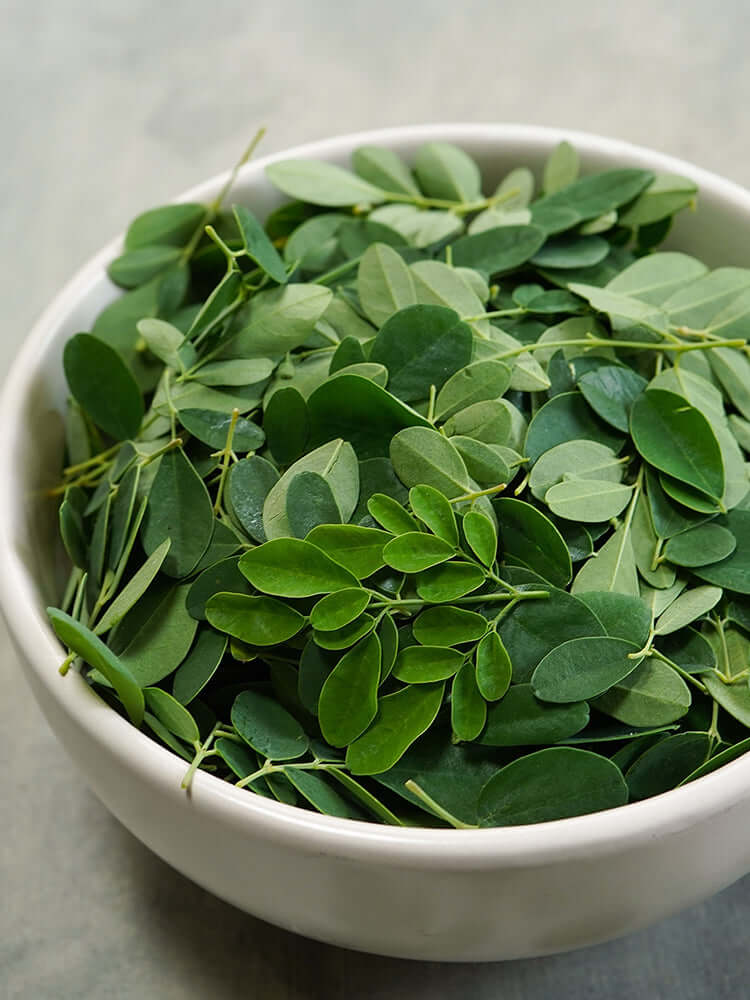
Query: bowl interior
[(31, 428)]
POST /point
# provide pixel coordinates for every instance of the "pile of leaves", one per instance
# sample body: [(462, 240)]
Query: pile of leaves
[(415, 504)]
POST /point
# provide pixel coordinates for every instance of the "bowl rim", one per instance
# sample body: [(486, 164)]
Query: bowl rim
[(516, 846)]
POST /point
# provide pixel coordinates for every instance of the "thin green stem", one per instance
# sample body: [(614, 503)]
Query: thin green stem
[(225, 459), (479, 493), (436, 808), (591, 342), (202, 751)]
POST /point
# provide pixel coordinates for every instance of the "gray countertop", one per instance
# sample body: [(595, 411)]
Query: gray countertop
[(109, 108)]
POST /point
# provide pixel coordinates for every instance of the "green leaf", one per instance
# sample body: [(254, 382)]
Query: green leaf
[(257, 244), (653, 695), (248, 484), (667, 764), (449, 581), (690, 605), (497, 250), (422, 456), (72, 530), (561, 168), (519, 719), (665, 195), (566, 417), (580, 458), (528, 538), (611, 391), (259, 621), (571, 252), (347, 635), (611, 568), (589, 198), (361, 412), (493, 667), (401, 718), (668, 520), (588, 500), (179, 508), (439, 284), (310, 502), (675, 437), (425, 664), (134, 589), (622, 615), (385, 169), (719, 760), (468, 707), (732, 369), (447, 626), (655, 277), (103, 386), (481, 536), (419, 228), (267, 727), (199, 666), (689, 650), (384, 283), (237, 372), (172, 714), (580, 669), (733, 573), (421, 346), (348, 699), (415, 551), (708, 543), (447, 172), (154, 638), (551, 784), (733, 698), (646, 547), (357, 548), (391, 514), (488, 421), (136, 267), (164, 340), (291, 567), (337, 463), (338, 609), (168, 225), (474, 383), (93, 651), (320, 795), (212, 428), (279, 320), (432, 508), (322, 183), (315, 665), (534, 627)]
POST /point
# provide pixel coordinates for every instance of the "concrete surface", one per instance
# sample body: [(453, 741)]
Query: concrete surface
[(109, 108)]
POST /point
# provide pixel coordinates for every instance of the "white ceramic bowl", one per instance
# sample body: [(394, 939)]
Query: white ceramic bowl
[(428, 894)]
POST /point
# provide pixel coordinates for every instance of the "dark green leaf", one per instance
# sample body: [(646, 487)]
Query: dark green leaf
[(310, 502), (199, 666), (447, 626), (170, 225), (468, 707), (179, 508), (425, 664), (286, 424), (348, 699), (493, 667), (622, 615), (708, 543), (496, 250), (551, 784), (528, 538), (291, 567), (267, 727), (347, 635), (665, 765), (136, 267), (391, 514), (259, 621), (519, 719), (102, 384), (257, 244), (583, 668), (571, 252), (321, 183), (611, 391), (653, 695), (675, 437), (93, 651), (566, 417), (474, 383), (401, 718), (357, 548), (449, 581), (172, 714), (432, 508), (734, 571), (248, 484), (481, 536), (421, 346), (415, 551), (338, 609), (422, 456)]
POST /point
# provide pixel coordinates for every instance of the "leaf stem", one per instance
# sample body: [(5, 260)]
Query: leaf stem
[(225, 459), (202, 751), (436, 808)]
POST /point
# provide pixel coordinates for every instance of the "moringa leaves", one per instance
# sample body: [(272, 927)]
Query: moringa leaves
[(428, 482)]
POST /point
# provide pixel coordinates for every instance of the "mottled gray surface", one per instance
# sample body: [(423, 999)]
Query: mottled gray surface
[(106, 109)]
